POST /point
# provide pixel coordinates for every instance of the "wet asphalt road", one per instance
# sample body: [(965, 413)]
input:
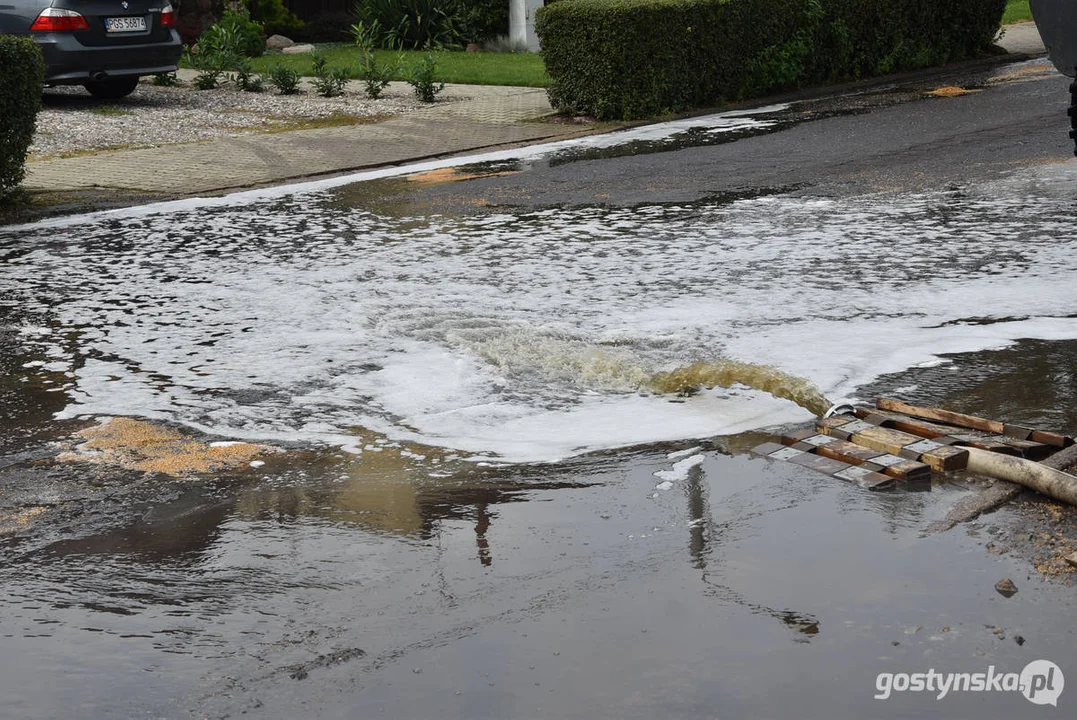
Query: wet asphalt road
[(409, 583), (887, 139)]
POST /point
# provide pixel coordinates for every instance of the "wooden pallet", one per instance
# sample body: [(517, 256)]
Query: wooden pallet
[(897, 444), (853, 454), (942, 458)]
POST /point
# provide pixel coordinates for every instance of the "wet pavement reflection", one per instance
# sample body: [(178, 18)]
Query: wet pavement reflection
[(575, 590)]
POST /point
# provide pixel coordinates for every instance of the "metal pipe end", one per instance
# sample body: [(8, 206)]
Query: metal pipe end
[(839, 408)]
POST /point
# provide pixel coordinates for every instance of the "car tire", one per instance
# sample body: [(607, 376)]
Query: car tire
[(113, 88)]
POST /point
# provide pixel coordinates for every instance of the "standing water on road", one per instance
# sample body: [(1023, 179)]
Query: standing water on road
[(526, 336)]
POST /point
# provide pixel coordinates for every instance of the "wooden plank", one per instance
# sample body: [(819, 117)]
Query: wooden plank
[(950, 435), (825, 465), (976, 423), (865, 477), (853, 454), (1050, 438), (767, 448), (946, 416), (1002, 445), (884, 463), (904, 423), (938, 457), (884, 439)]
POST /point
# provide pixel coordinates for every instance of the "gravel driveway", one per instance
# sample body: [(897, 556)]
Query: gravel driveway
[(71, 122)]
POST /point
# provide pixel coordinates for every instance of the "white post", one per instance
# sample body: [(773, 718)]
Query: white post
[(518, 22), (530, 6)]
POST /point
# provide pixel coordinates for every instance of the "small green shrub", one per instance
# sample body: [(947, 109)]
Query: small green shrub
[(236, 34), (423, 77), (211, 70), (21, 82), (284, 79), (212, 60), (328, 81), (166, 80), (209, 79), (331, 83), (622, 59), (245, 78), (376, 76)]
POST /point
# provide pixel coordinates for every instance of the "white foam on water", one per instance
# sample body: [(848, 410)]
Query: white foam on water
[(683, 453), (528, 337), (678, 472)]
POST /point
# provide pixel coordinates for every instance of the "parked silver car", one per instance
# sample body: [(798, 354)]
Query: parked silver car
[(105, 45)]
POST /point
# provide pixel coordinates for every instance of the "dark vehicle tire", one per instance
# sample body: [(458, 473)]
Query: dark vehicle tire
[(113, 88)]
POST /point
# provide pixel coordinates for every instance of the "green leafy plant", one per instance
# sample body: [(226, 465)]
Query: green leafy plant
[(423, 77), (328, 81), (210, 75), (284, 79), (413, 24), (166, 80), (212, 60), (331, 83), (246, 79), (319, 63), (235, 35), (20, 97), (375, 75)]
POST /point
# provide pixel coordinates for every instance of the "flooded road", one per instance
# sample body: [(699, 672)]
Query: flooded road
[(472, 497)]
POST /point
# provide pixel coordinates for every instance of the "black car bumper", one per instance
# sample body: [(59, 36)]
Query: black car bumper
[(67, 61)]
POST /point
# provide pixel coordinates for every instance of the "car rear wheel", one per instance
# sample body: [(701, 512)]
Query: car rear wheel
[(112, 88)]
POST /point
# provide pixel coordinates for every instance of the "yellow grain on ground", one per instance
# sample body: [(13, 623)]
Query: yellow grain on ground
[(1028, 72), (950, 91), (445, 175), (141, 445), (14, 521)]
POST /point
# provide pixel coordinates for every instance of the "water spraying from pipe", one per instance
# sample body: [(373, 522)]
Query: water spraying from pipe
[(726, 373)]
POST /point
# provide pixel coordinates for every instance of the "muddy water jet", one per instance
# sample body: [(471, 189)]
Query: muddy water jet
[(726, 373)]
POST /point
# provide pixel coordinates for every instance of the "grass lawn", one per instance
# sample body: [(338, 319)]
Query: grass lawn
[(524, 69), (1016, 10)]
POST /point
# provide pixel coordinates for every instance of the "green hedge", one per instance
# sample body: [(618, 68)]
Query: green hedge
[(22, 72), (624, 59)]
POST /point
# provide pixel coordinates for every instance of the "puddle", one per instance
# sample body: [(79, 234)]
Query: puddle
[(563, 591)]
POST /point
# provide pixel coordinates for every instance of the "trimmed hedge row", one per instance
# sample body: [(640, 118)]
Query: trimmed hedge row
[(625, 59), (22, 74)]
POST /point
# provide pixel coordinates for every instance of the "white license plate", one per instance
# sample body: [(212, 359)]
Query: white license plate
[(125, 24)]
